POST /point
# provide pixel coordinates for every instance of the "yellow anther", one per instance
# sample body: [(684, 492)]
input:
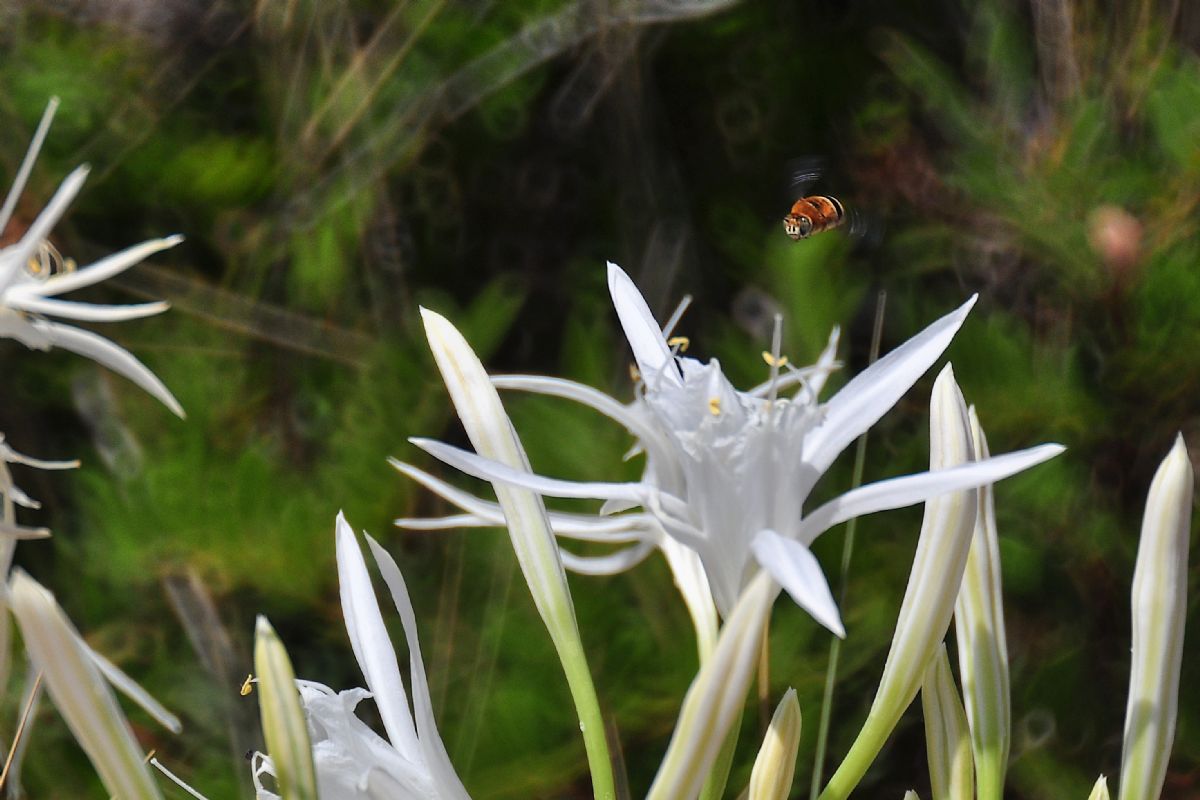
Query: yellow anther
[(714, 406), (772, 361), (247, 685), (635, 374), (681, 342)]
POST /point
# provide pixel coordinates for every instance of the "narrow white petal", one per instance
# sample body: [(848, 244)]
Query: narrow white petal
[(23, 250), (79, 691), (584, 395), (620, 561), (452, 522), (484, 513), (371, 643), (912, 489), (18, 496), (13, 531), (826, 363), (871, 393), (797, 570), (34, 303), (433, 750), (35, 146), (130, 688), (108, 354), (488, 470), (104, 268), (645, 337), (13, 457), (692, 582)]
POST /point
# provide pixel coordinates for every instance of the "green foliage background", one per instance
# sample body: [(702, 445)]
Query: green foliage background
[(334, 165)]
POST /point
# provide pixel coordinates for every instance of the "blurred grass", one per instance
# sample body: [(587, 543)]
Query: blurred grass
[(346, 162)]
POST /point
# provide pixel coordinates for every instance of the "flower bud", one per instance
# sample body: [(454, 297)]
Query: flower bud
[(283, 723), (1159, 608), (947, 740), (775, 766)]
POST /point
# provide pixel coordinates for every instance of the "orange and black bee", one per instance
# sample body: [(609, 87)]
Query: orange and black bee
[(812, 215)]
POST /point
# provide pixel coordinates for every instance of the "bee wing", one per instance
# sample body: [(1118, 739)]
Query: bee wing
[(864, 226), (802, 173)]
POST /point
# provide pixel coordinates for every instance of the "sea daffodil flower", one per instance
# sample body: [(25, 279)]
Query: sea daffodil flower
[(28, 296), (731, 470), (352, 761)]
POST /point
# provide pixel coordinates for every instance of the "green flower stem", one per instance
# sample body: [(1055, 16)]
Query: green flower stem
[(587, 705), (866, 747)]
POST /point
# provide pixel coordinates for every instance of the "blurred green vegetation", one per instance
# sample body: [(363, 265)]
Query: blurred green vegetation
[(336, 164)]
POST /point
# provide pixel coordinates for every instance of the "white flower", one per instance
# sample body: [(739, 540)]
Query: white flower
[(352, 761), (28, 296), (728, 472)]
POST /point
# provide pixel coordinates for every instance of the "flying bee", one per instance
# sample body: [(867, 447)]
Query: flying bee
[(816, 213), (812, 215), (48, 262)]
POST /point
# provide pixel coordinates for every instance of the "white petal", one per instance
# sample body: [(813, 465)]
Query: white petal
[(483, 513), (645, 337), (435, 757), (12, 531), (610, 564), (18, 496), (912, 489), (826, 363), (86, 312), (582, 394), (797, 570), (13, 457), (453, 522), (23, 250), (488, 470), (130, 688), (104, 268), (108, 354), (867, 397), (18, 184), (692, 582), (371, 644)]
